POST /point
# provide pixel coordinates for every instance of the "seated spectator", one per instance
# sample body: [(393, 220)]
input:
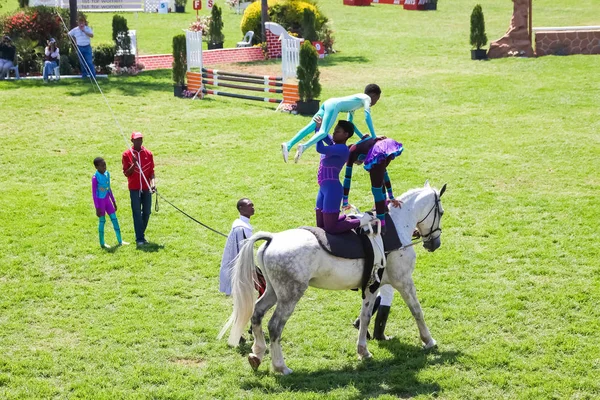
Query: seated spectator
[(51, 59), (7, 56)]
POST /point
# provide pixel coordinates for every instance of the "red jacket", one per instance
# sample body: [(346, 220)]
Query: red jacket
[(135, 180)]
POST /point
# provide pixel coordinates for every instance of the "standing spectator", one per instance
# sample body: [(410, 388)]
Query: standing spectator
[(82, 34), (52, 58), (240, 230), (7, 56), (138, 167), (104, 201)]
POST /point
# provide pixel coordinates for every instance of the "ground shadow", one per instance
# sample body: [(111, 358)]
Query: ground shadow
[(150, 247), (340, 59), (397, 377), (140, 85)]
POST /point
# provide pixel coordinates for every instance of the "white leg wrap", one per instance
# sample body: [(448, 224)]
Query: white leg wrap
[(387, 294)]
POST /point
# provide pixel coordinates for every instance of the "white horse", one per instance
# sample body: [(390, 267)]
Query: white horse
[(293, 260)]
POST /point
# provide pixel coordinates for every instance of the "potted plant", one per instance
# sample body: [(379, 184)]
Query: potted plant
[(179, 64), (215, 29), (180, 6), (478, 36), (308, 73)]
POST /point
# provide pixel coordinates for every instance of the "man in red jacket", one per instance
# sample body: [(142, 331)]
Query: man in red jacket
[(141, 184)]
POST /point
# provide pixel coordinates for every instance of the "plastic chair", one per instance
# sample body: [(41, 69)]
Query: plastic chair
[(247, 41), (13, 68), (56, 71)]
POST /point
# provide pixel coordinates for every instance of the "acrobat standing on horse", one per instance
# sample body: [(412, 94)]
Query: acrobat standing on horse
[(328, 112), (376, 155)]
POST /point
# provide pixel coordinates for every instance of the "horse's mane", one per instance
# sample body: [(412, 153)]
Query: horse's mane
[(410, 193)]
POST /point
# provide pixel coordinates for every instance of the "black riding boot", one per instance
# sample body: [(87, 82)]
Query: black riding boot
[(380, 322)]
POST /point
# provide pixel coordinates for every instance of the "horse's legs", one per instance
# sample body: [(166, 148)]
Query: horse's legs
[(268, 299), (406, 287), (285, 307), (365, 317)]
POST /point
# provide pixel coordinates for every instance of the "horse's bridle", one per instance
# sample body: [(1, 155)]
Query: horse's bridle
[(437, 216)]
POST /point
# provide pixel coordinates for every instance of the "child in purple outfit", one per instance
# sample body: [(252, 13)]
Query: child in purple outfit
[(104, 201), (329, 198)]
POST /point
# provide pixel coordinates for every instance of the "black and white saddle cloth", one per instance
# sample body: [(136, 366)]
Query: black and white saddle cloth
[(350, 245)]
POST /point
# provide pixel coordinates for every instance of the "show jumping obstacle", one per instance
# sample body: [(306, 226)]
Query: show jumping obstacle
[(207, 81), (262, 83)]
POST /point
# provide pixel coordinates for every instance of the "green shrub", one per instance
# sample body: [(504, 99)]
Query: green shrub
[(29, 55), (308, 73), (104, 55), (73, 60), (215, 26), (23, 3), (290, 15), (251, 21), (326, 36), (65, 66), (36, 23), (179, 59), (308, 26), (287, 13), (478, 36)]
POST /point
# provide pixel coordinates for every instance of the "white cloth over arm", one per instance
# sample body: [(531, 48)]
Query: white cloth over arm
[(240, 230)]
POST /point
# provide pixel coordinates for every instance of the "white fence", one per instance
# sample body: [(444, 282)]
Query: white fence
[(133, 45), (193, 42), (290, 49), (290, 57)]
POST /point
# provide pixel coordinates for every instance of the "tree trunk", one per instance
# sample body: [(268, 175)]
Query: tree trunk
[(72, 14), (264, 17), (517, 40)]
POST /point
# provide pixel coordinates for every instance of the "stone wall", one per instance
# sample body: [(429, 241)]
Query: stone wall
[(553, 42)]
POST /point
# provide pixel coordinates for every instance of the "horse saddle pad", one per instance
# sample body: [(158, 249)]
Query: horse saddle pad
[(349, 245)]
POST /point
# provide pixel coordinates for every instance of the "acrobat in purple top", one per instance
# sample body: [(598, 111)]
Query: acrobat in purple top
[(329, 198)]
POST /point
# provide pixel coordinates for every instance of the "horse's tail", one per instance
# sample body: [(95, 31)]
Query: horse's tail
[(243, 292)]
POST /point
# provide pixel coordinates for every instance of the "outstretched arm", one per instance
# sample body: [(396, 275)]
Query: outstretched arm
[(347, 182), (369, 122)]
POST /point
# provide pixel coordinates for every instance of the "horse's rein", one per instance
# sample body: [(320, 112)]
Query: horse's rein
[(437, 215)]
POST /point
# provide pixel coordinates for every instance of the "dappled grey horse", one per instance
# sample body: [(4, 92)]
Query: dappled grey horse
[(293, 260)]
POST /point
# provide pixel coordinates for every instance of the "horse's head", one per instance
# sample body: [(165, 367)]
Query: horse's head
[(430, 225)]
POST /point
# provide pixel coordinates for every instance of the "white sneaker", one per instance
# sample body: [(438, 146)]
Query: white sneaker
[(299, 153), (367, 219), (284, 151)]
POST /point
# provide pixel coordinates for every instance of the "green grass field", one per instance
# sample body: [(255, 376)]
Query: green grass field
[(511, 297)]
